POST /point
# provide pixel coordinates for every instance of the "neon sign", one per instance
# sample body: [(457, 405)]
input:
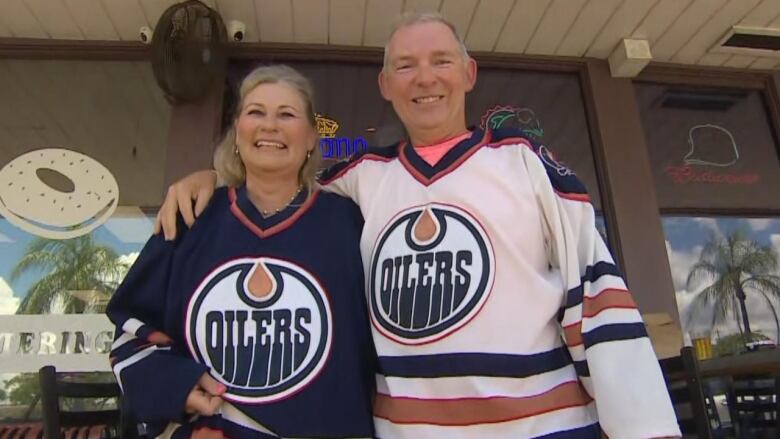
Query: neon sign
[(333, 147), (509, 116), (712, 149), (342, 147)]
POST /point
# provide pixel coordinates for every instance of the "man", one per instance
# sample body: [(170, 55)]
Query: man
[(497, 311)]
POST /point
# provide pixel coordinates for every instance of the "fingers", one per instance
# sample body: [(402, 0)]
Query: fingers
[(184, 200), (157, 224), (198, 186), (211, 385), (202, 403), (167, 214), (206, 433), (201, 185), (202, 199), (159, 338)]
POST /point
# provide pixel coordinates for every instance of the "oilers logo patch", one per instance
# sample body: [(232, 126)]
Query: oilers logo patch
[(431, 271), (264, 327)]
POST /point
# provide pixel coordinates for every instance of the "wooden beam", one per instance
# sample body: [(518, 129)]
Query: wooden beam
[(31, 48), (193, 133), (629, 189)]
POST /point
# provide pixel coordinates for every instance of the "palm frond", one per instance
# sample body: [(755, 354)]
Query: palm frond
[(40, 296), (701, 271), (74, 264), (763, 284)]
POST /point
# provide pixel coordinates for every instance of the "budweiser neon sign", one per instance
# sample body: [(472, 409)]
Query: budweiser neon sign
[(712, 151)]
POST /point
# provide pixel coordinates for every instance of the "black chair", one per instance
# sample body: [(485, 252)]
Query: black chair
[(58, 423), (684, 384), (754, 406), (716, 391)]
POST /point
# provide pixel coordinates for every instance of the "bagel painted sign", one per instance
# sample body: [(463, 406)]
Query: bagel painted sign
[(86, 200)]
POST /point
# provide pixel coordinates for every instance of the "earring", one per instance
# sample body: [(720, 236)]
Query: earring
[(308, 155), (235, 150)]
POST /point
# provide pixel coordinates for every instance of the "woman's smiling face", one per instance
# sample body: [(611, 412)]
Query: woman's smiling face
[(273, 133)]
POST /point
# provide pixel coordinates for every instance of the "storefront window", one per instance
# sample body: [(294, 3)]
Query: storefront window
[(705, 253), (82, 159), (710, 149), (713, 151), (547, 107)]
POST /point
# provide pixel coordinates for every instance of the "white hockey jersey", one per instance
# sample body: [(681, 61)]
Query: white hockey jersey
[(497, 310)]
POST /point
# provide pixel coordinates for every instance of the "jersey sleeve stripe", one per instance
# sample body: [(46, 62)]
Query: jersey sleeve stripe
[(614, 332), (133, 359), (614, 296), (122, 339), (582, 198), (573, 334), (132, 326), (605, 299), (582, 368), (592, 275)]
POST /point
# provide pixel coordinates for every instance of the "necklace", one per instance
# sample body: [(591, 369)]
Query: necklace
[(267, 213)]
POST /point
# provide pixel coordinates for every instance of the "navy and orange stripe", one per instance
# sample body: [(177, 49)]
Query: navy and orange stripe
[(592, 274), (609, 298), (603, 333)]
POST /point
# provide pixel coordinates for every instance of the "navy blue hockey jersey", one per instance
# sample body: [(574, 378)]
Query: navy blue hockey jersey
[(272, 307)]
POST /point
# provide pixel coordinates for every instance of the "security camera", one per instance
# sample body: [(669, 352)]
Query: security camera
[(236, 30), (145, 35)]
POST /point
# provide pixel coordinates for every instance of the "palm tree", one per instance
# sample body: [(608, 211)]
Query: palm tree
[(735, 266), (78, 264)]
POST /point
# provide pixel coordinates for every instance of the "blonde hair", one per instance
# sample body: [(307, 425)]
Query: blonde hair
[(228, 164), (412, 18)]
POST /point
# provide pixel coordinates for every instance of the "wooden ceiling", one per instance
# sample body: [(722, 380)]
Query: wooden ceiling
[(679, 31)]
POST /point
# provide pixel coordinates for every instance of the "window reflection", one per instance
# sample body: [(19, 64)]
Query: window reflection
[(706, 255), (41, 276)]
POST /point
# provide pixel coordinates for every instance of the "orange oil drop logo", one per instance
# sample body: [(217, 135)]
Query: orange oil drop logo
[(426, 228), (260, 284)]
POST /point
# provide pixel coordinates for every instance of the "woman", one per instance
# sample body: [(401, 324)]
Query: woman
[(263, 311)]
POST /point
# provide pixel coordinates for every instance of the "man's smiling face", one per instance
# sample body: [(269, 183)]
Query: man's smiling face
[(426, 77)]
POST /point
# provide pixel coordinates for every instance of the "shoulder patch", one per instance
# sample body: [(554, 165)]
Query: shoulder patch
[(501, 134), (563, 179)]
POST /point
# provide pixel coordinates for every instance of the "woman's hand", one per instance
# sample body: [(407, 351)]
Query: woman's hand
[(198, 186), (206, 397)]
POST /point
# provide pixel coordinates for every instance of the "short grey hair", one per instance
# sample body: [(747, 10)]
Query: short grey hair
[(412, 18), (228, 164)]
